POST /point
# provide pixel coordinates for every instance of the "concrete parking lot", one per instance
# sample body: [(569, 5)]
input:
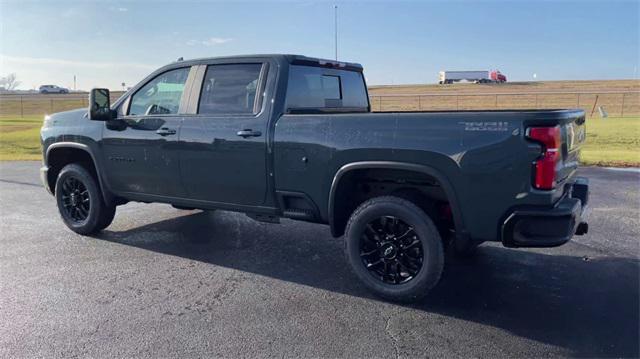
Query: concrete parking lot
[(161, 282)]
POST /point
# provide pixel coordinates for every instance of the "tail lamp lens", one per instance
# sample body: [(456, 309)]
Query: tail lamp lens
[(545, 166)]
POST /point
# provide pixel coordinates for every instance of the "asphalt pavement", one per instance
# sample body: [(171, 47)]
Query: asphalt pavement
[(161, 282)]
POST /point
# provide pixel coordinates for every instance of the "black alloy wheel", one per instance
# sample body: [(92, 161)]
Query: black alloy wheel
[(394, 248), (75, 199), (391, 250), (80, 201)]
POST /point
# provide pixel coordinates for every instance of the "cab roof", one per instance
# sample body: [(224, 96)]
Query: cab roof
[(283, 58)]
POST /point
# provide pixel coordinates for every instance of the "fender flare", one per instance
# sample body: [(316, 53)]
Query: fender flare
[(106, 194), (442, 179)]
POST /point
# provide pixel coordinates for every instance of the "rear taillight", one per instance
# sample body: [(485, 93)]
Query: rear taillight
[(545, 166)]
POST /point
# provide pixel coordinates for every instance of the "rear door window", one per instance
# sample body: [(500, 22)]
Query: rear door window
[(230, 89)]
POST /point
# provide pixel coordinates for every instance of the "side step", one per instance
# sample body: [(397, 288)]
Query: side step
[(301, 214), (263, 218)]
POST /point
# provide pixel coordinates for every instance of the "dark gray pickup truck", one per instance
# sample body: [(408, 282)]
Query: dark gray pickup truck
[(286, 136)]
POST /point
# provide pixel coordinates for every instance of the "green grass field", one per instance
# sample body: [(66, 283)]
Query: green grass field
[(610, 142), (20, 138)]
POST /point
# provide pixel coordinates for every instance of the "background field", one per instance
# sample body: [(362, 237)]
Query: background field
[(20, 138), (533, 86), (619, 98), (614, 141)]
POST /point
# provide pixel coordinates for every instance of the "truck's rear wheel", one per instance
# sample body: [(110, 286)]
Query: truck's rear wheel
[(394, 248), (80, 201)]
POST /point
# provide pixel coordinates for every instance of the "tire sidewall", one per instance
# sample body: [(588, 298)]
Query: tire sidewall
[(432, 265), (91, 223), (107, 216)]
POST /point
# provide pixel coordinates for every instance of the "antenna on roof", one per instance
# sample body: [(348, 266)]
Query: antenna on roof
[(335, 28)]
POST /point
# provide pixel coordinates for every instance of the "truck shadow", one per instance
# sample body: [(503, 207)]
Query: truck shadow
[(589, 306)]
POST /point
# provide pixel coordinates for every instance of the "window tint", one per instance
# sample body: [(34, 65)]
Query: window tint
[(317, 88), (229, 89), (331, 87), (160, 96)]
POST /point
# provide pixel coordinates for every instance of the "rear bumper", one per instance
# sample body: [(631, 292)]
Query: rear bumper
[(549, 227), (44, 178)]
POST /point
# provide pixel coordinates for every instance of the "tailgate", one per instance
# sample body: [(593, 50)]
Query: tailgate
[(573, 132)]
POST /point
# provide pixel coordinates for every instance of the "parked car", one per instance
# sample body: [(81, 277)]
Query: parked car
[(286, 136), (52, 89)]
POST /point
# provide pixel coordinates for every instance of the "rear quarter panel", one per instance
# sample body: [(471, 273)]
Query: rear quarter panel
[(483, 155)]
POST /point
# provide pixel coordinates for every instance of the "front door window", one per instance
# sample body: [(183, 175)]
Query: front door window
[(160, 96)]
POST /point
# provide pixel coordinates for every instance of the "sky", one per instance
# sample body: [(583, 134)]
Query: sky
[(106, 43)]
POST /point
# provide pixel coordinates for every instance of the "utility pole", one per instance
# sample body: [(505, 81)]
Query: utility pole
[(74, 82), (335, 21)]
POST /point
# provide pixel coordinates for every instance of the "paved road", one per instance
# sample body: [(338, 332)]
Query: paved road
[(160, 282)]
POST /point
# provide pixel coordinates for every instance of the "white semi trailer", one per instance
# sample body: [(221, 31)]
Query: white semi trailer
[(484, 76)]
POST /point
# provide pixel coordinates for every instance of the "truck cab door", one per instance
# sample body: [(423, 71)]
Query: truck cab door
[(223, 156), (140, 147)]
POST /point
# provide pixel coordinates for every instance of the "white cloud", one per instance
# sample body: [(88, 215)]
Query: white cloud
[(118, 8), (212, 41)]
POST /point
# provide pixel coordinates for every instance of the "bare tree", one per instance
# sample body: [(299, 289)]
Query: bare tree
[(10, 82)]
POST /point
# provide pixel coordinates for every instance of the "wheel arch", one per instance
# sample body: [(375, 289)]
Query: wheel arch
[(60, 154), (336, 225)]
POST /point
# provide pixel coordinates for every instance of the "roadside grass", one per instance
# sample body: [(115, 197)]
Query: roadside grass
[(610, 141), (20, 138)]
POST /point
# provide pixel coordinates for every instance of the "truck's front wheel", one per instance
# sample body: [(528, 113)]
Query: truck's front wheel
[(80, 201), (394, 248)]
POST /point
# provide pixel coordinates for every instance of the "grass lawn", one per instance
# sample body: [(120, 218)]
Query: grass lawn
[(20, 138), (610, 142)]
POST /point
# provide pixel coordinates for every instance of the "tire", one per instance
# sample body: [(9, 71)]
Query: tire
[(80, 202), (367, 242), (107, 218)]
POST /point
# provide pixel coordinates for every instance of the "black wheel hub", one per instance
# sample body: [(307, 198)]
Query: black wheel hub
[(75, 199), (391, 250)]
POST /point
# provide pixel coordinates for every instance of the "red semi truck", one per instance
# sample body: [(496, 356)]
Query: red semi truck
[(484, 76)]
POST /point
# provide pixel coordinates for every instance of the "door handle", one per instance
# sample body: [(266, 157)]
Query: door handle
[(165, 131), (249, 133)]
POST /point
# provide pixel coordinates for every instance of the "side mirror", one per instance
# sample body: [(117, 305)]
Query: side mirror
[(100, 105)]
